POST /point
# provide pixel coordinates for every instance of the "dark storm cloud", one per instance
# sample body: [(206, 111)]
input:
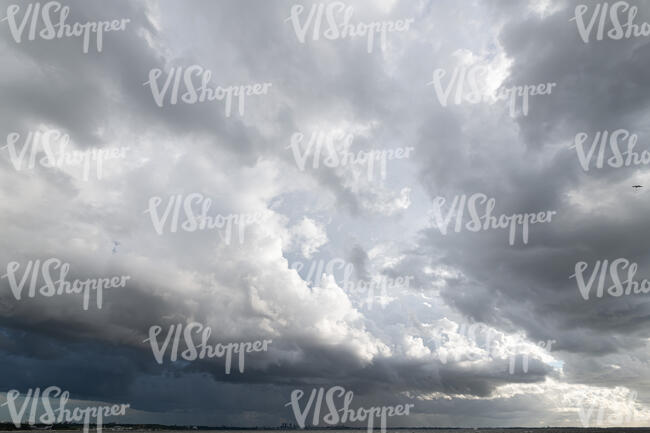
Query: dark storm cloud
[(600, 86), (323, 335)]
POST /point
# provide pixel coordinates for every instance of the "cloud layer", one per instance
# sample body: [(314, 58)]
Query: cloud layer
[(471, 330)]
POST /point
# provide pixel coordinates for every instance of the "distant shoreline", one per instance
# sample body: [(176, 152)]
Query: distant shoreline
[(9, 427)]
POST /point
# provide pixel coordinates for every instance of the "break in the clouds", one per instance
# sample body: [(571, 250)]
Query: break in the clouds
[(427, 203)]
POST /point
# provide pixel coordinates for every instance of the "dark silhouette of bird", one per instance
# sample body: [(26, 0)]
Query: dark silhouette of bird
[(636, 187)]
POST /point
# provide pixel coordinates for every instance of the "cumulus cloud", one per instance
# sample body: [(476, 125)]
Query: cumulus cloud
[(467, 340)]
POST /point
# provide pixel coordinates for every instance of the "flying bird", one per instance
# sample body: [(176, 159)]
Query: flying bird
[(115, 245)]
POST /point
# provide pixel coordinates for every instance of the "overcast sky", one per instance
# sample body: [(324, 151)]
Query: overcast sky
[(329, 331)]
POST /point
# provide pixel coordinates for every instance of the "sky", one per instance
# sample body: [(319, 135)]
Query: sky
[(385, 278)]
